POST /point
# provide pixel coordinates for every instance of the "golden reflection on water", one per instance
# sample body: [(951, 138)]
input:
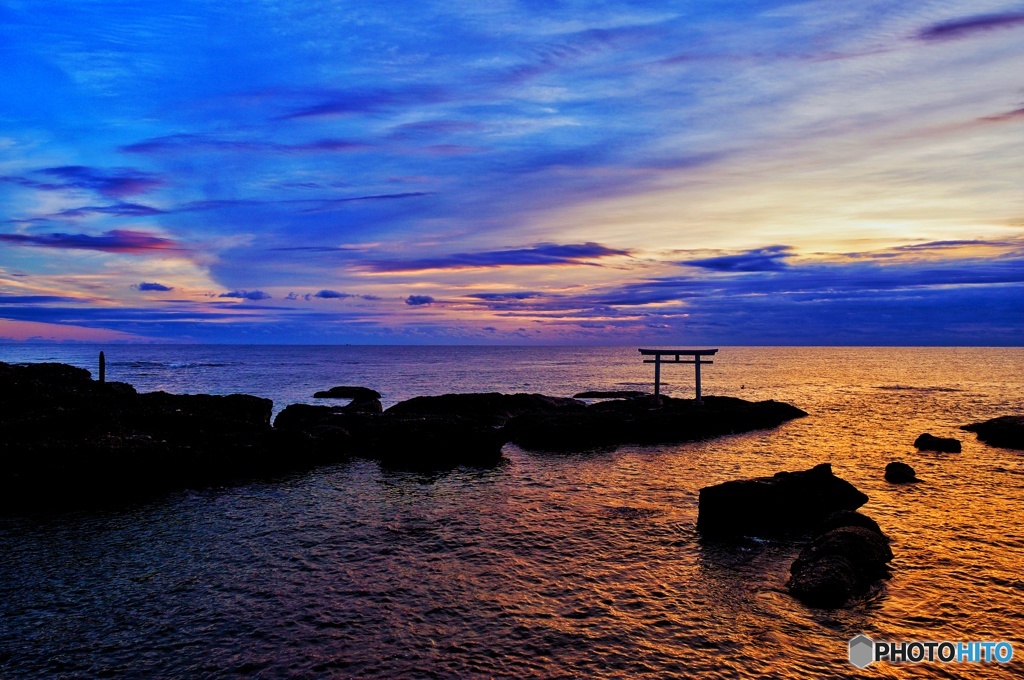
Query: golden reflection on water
[(580, 566)]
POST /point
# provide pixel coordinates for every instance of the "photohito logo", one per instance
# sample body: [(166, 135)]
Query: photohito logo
[(864, 651)]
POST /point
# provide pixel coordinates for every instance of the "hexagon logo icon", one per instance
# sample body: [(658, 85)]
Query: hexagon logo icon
[(861, 651)]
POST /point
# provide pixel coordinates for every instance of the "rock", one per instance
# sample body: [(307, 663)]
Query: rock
[(1006, 432), (927, 442), (408, 441), (426, 443), (641, 420), (66, 439), (365, 407), (786, 503), (848, 518), (348, 392), (899, 473), (615, 394), (838, 565), (491, 408)]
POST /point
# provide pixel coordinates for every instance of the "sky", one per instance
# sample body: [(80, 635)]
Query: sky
[(680, 173)]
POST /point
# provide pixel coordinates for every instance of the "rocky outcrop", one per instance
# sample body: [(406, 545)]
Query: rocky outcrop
[(491, 408), (613, 394), (899, 473), (785, 503), (928, 442), (643, 420), (1006, 432), (395, 439), (348, 392), (847, 556), (66, 437)]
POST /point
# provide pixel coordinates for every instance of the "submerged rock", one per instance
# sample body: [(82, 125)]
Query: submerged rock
[(642, 420), (785, 503), (348, 392), (899, 473), (1006, 432), (839, 564), (928, 442)]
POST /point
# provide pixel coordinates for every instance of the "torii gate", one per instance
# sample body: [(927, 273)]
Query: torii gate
[(697, 362)]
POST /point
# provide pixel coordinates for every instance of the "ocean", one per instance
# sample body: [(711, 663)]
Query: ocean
[(547, 566)]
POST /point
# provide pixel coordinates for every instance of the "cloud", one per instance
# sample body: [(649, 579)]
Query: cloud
[(417, 300), (115, 241), (185, 143), (117, 210), (426, 128), (246, 295), (34, 299), (506, 297), (155, 287), (770, 259), (331, 294), (967, 26), (116, 183), (545, 254), (354, 102)]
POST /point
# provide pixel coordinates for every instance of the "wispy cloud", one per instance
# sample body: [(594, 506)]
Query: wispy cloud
[(351, 102), (184, 143), (544, 254), (770, 259), (116, 183), (971, 25), (337, 295), (419, 300), (115, 241)]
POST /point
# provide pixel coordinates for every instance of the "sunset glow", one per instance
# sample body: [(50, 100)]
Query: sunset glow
[(513, 172)]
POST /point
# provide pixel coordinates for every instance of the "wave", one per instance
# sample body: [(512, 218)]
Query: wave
[(911, 388), (172, 364)]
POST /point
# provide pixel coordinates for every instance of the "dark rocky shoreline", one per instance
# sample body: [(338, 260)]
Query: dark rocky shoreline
[(66, 439)]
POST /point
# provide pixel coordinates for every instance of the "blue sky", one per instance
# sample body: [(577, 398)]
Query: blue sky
[(513, 172)]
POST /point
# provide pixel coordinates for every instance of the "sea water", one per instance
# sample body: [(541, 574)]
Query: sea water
[(584, 565)]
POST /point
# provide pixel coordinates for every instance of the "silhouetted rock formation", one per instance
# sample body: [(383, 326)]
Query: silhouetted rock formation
[(615, 394), (492, 408), (66, 438), (409, 441), (641, 420), (785, 503), (899, 473), (846, 557), (1006, 432), (348, 392), (927, 442)]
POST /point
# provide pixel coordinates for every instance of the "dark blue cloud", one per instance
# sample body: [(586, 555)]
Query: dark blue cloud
[(34, 299), (154, 287), (337, 103), (770, 259), (186, 143), (967, 26), (117, 210), (115, 241), (417, 300), (246, 295), (331, 294), (541, 254), (506, 297), (115, 183)]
